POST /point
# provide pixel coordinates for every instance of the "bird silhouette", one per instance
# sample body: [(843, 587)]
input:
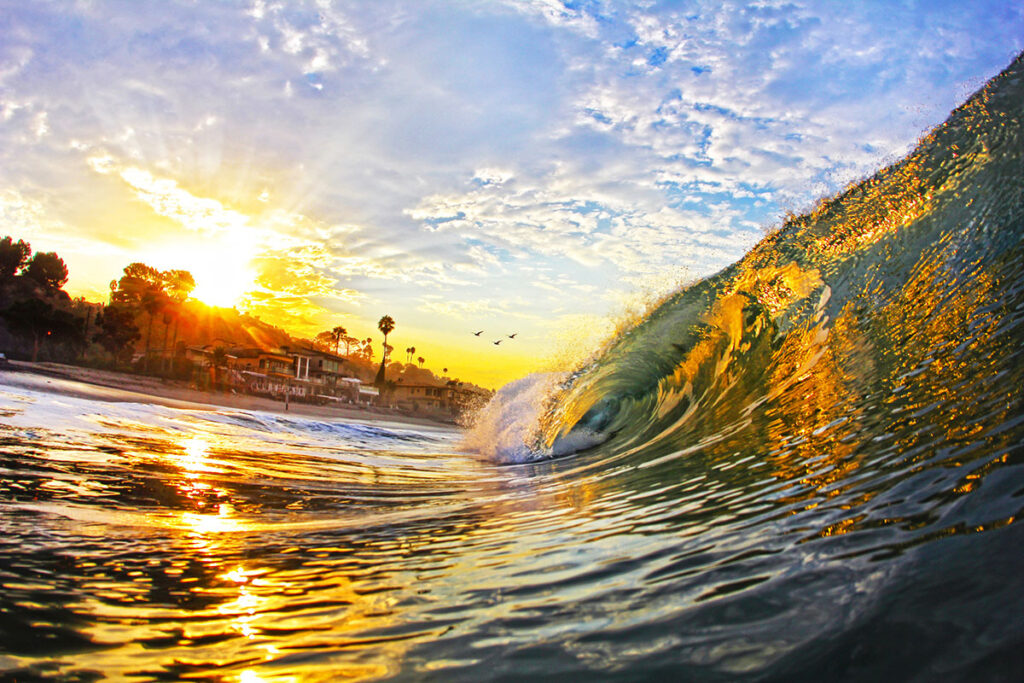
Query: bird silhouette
[(513, 335), (477, 334), (497, 342)]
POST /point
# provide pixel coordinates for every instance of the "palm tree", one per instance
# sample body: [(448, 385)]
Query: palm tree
[(421, 361), (170, 315), (386, 324), (152, 301), (338, 332), (178, 284), (348, 344)]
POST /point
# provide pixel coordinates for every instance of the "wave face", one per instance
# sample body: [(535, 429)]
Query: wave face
[(890, 314), (809, 467)]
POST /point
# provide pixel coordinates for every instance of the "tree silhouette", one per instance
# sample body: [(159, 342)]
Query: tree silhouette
[(117, 330), (170, 315), (178, 284), (47, 270), (153, 292), (421, 361), (12, 256), (153, 301), (349, 341), (386, 324), (324, 339), (39, 320), (337, 334), (138, 279)]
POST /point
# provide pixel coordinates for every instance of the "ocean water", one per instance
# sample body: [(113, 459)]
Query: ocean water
[(807, 467)]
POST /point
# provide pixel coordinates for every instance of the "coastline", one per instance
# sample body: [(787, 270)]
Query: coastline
[(108, 385)]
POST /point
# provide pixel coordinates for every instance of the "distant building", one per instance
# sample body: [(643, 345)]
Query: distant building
[(263, 372), (309, 374), (448, 400), (420, 398)]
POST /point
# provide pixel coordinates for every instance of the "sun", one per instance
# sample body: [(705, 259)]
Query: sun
[(222, 286), (222, 269)]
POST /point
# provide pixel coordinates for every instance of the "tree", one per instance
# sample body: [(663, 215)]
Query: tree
[(39, 320), (170, 315), (421, 361), (12, 256), (178, 284), (386, 324), (349, 341), (117, 331), (48, 270), (324, 339), (138, 279), (338, 333), (152, 292), (153, 301)]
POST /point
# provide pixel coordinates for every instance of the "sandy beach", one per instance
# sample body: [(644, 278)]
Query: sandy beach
[(105, 385)]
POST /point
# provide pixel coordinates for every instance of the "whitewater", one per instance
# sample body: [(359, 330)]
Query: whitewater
[(809, 466)]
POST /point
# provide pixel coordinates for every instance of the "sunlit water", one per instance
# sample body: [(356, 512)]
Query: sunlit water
[(808, 467)]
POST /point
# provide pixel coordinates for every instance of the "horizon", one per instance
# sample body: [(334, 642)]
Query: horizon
[(518, 167)]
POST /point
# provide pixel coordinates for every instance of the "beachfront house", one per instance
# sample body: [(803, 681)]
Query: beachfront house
[(301, 374), (437, 400), (265, 373), (419, 398)]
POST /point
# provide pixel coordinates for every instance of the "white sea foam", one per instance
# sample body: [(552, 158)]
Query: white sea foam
[(506, 428)]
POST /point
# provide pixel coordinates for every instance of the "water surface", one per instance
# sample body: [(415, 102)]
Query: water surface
[(807, 467)]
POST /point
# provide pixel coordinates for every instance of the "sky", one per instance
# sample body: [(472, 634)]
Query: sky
[(530, 167)]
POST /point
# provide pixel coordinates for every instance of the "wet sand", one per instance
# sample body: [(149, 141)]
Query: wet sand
[(105, 385)]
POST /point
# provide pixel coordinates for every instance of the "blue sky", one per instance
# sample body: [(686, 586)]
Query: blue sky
[(524, 166)]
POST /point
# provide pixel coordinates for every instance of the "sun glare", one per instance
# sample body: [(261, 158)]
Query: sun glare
[(222, 287), (223, 273)]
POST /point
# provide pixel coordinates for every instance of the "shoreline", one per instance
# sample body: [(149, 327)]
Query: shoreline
[(113, 386)]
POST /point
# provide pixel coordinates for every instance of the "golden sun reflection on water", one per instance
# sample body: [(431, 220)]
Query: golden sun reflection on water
[(259, 606)]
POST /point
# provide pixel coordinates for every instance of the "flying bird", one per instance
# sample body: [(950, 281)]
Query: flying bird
[(497, 342), (477, 334), (513, 335)]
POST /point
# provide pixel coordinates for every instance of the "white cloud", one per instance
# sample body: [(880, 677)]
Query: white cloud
[(559, 14)]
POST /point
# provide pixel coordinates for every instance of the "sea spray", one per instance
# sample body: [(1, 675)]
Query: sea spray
[(506, 430)]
